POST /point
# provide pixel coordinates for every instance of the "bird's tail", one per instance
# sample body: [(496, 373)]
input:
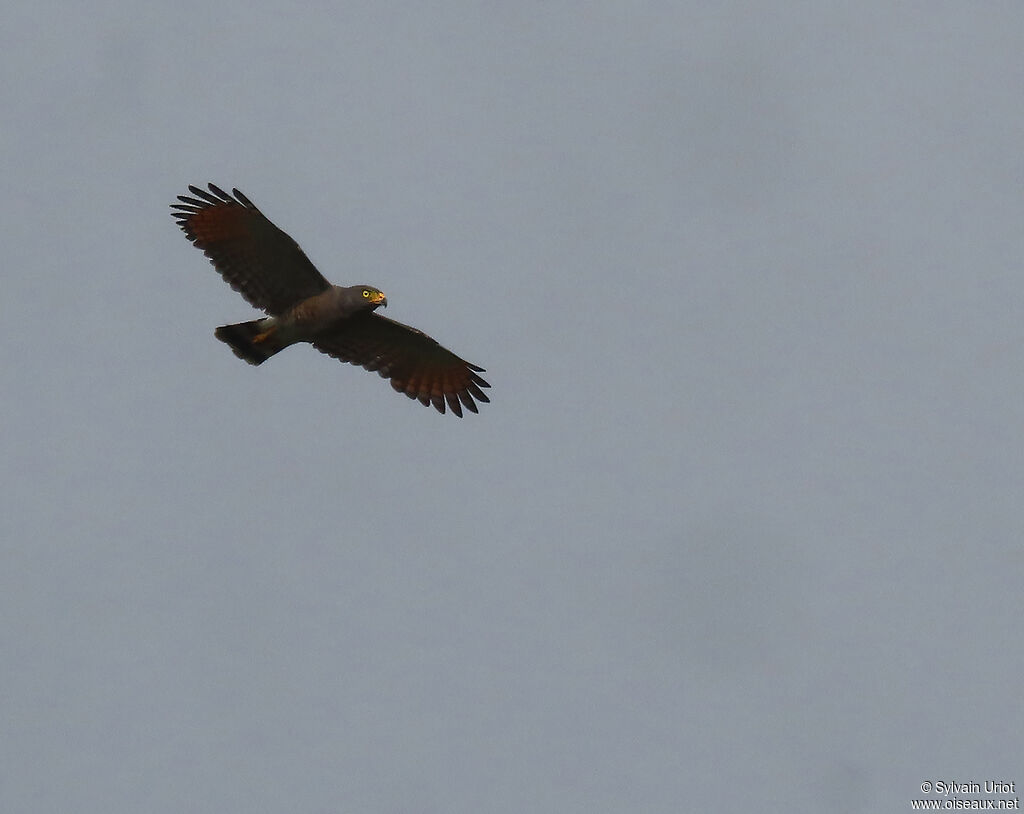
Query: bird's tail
[(251, 341)]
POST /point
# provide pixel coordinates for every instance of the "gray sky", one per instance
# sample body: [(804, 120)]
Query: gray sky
[(741, 528)]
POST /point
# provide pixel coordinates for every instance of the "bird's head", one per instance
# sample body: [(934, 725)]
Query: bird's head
[(371, 297)]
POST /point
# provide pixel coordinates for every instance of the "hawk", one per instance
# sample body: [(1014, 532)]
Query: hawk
[(269, 269)]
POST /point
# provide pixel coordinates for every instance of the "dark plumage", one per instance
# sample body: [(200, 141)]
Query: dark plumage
[(273, 274)]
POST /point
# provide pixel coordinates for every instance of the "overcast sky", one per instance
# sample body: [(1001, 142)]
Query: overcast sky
[(742, 526)]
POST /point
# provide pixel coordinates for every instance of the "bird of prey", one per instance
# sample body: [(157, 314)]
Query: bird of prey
[(269, 269)]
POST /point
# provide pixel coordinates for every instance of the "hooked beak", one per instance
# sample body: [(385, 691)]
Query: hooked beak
[(380, 299)]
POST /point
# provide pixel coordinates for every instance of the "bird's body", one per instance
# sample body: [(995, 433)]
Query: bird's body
[(258, 340), (270, 270)]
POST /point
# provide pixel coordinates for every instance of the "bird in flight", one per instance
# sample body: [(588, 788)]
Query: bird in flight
[(269, 269)]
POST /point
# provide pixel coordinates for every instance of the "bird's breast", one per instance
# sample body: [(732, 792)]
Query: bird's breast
[(316, 314)]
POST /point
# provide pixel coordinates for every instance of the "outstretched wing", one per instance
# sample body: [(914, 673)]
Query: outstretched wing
[(416, 364), (255, 257)]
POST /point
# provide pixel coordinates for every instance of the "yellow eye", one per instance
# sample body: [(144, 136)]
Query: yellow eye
[(366, 293)]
